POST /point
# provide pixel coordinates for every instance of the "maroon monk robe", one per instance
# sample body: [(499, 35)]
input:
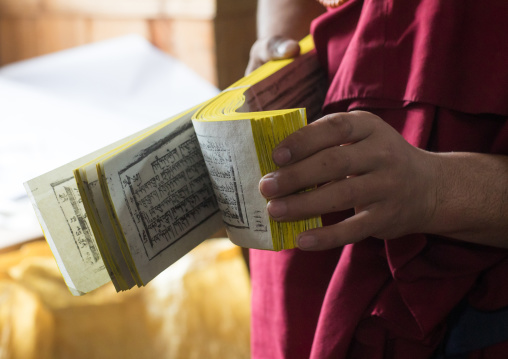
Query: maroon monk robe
[(437, 71)]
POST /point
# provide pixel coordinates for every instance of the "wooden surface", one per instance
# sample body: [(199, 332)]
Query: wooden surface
[(213, 37)]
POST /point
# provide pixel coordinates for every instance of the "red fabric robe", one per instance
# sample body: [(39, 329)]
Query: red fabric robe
[(437, 71)]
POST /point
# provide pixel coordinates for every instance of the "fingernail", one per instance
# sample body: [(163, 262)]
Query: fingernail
[(281, 156), (307, 242), (276, 208), (287, 48), (282, 48), (268, 186)]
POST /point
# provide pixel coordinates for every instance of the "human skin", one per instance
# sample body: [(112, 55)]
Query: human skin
[(395, 190), (280, 23)]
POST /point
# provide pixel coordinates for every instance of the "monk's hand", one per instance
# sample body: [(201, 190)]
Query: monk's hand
[(271, 48), (360, 162)]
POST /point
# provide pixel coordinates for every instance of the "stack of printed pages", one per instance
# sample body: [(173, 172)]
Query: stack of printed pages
[(128, 211)]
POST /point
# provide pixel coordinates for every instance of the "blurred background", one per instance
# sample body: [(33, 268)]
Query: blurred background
[(213, 37), (76, 75)]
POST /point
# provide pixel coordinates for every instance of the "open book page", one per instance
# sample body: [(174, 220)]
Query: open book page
[(162, 197), (302, 83), (225, 133), (61, 214), (230, 155), (66, 228), (103, 230)]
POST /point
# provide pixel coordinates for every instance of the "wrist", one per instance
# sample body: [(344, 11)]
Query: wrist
[(469, 192)]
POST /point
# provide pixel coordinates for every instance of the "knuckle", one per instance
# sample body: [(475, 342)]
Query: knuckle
[(338, 162), (389, 224), (297, 143), (339, 236), (329, 237), (296, 208), (290, 179), (340, 124), (375, 119), (387, 153), (349, 196), (286, 178), (387, 183), (362, 232)]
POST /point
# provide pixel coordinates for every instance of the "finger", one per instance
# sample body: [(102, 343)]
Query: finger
[(278, 47), (254, 63), (332, 130), (333, 163), (272, 48), (336, 196), (351, 230)]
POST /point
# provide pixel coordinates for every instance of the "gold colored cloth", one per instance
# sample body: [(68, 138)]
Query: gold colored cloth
[(198, 308)]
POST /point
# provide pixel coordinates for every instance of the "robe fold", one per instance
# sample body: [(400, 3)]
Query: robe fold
[(437, 71)]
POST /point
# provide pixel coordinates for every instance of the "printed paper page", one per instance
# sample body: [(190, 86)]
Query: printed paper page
[(163, 197), (62, 216), (230, 155), (65, 225), (95, 196)]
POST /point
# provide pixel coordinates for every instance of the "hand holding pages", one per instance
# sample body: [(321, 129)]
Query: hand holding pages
[(134, 208)]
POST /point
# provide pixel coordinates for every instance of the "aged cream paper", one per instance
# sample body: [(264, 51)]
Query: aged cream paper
[(61, 214), (230, 155), (92, 186), (162, 197)]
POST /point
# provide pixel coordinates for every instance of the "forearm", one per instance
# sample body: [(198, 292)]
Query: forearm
[(471, 198), (286, 18)]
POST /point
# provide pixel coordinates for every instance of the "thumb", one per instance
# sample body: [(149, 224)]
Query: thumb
[(271, 48), (282, 48)]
